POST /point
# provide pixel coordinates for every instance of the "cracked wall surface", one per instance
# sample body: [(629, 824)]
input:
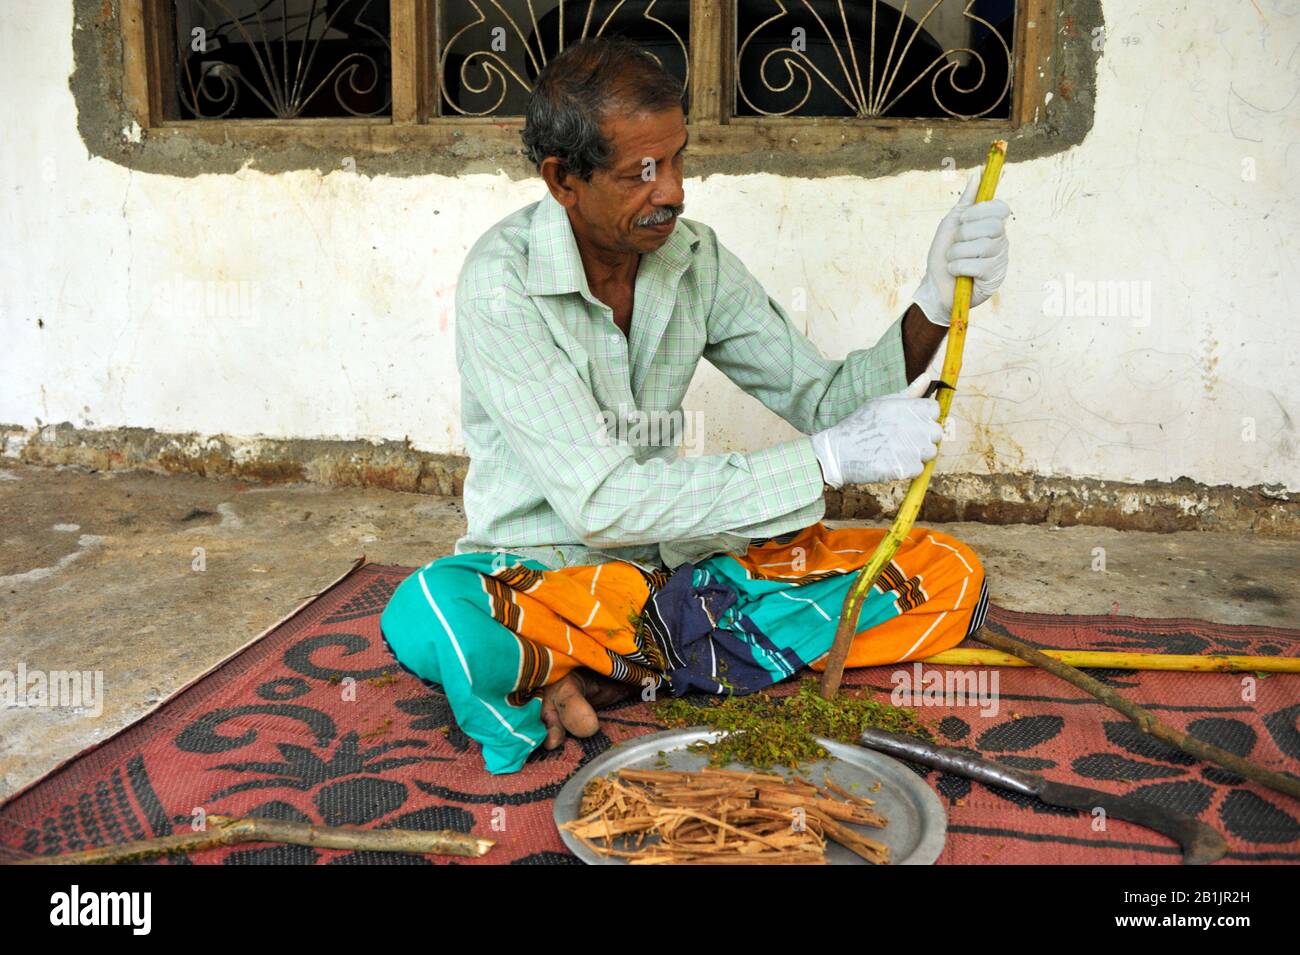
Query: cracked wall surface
[(1002, 498)]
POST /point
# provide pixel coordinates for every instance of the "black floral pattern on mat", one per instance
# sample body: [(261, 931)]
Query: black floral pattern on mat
[(954, 728), (303, 768), (369, 602), (1114, 766), (1141, 758), (1127, 736), (548, 858), (1252, 818), (1282, 727), (299, 657), (432, 711), (285, 688), (1257, 820), (1016, 735), (203, 736), (273, 855), (1189, 797)]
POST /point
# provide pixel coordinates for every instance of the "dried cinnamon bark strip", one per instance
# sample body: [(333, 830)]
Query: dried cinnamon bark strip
[(772, 858), (874, 852), (845, 794), (745, 775), (843, 811)]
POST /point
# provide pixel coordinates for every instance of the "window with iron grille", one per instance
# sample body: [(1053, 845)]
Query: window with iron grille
[(490, 54), (874, 59), (469, 64), (280, 59)]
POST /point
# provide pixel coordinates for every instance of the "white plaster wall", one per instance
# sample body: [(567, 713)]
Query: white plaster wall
[(333, 338)]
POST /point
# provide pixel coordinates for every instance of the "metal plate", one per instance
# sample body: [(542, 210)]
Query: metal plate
[(917, 826)]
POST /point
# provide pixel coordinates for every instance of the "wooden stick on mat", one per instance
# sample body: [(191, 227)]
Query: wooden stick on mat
[(227, 831), (1110, 660), (1145, 720)]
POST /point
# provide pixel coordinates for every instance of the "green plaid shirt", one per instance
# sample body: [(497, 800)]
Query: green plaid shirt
[(546, 374)]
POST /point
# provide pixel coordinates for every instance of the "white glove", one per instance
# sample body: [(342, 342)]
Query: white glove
[(886, 439), (971, 240)]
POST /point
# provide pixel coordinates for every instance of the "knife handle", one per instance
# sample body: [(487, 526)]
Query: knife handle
[(960, 762)]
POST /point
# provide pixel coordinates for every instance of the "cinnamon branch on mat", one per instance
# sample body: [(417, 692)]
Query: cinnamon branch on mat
[(229, 831), (721, 817)]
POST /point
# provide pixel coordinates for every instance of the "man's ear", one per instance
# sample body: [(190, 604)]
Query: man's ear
[(559, 181)]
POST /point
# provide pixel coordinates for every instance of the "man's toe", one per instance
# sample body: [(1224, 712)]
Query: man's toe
[(576, 713), (554, 728)]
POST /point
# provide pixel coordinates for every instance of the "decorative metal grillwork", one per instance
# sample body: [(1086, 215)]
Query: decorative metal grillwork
[(870, 58), (490, 60), (287, 59)]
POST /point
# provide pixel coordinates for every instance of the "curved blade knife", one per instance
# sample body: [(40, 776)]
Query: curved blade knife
[(1201, 843)]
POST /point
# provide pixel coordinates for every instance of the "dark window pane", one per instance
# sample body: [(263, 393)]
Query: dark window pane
[(937, 58), (282, 59), (492, 51)]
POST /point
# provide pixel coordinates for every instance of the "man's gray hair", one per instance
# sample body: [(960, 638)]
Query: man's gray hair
[(582, 86)]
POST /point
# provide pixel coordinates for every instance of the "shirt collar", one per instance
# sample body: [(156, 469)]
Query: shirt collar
[(555, 267)]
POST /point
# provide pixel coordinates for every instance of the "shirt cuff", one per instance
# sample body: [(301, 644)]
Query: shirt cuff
[(886, 371)]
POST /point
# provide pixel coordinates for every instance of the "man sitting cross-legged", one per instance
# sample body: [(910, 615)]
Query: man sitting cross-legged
[(598, 559)]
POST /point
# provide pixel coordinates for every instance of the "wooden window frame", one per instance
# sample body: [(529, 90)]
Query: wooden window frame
[(148, 84)]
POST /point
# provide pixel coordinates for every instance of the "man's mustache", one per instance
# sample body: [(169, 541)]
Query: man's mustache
[(662, 215)]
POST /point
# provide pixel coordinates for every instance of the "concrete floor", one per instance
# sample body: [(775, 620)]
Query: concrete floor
[(96, 573)]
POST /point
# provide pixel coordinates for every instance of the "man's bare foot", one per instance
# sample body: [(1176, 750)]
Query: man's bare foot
[(569, 704)]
